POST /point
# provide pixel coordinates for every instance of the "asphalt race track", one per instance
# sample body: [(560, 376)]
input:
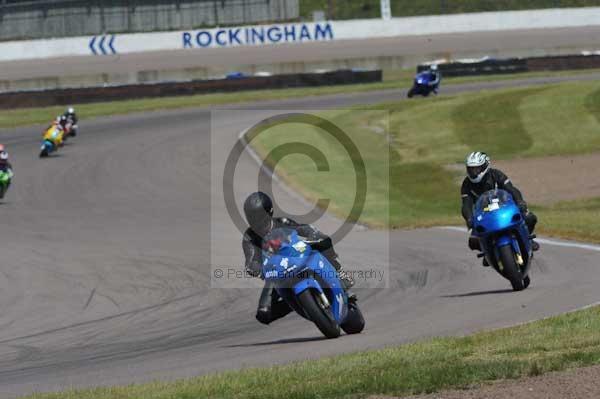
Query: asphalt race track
[(107, 250), (496, 44)]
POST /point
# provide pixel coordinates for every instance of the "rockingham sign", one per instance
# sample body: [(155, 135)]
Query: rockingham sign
[(258, 35), (107, 44)]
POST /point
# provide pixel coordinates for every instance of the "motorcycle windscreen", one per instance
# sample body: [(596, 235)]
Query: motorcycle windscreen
[(284, 254), (495, 210)]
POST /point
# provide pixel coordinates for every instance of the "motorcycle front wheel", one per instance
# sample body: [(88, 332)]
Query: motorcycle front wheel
[(319, 314), (510, 268)]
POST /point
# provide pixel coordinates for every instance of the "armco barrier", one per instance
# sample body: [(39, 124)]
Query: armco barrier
[(563, 62), (127, 92), (487, 67), (515, 65)]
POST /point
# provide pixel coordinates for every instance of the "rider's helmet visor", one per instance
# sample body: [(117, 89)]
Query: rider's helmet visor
[(474, 171)]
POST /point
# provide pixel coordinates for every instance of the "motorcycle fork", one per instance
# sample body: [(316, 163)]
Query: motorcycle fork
[(324, 301), (518, 255)]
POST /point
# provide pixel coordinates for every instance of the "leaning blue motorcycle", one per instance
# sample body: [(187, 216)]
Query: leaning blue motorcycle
[(504, 239), (309, 284), (423, 85)]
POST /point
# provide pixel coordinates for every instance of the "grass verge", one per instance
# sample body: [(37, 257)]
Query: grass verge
[(423, 367), (393, 79), (420, 142)]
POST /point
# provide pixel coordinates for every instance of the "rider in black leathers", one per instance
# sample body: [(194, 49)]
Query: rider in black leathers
[(481, 178), (258, 209)]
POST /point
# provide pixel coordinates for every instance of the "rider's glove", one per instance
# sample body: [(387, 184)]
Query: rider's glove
[(254, 273), (523, 207)]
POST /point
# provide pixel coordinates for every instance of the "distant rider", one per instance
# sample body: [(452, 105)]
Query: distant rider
[(62, 122), (5, 165), (436, 77), (71, 115), (71, 120), (481, 178), (56, 136), (258, 209)]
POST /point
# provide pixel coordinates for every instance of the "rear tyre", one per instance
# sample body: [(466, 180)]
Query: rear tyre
[(320, 315), (511, 269), (355, 322)]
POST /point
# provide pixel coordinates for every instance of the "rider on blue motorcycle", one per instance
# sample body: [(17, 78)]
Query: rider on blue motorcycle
[(258, 209), (481, 178), (436, 77)]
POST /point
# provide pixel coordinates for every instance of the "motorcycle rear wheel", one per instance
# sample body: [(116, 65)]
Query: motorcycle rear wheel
[(322, 317), (355, 322), (511, 270)]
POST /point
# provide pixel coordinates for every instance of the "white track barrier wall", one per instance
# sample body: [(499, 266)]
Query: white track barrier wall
[(299, 33)]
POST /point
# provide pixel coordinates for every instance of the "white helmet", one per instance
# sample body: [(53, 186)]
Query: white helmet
[(433, 67), (478, 164), (3, 153), (70, 110)]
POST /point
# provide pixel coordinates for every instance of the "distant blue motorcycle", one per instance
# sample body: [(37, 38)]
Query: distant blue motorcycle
[(423, 84), (309, 284), (504, 239)]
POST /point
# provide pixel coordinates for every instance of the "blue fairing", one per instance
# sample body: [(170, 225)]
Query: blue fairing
[(423, 78), (295, 267), (498, 222), (306, 284)]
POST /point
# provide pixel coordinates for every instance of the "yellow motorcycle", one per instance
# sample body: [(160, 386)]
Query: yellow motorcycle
[(53, 138)]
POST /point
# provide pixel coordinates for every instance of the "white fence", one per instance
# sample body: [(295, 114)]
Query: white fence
[(299, 33)]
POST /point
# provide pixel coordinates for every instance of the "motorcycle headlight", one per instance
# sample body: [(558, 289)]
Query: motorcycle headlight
[(419, 81)]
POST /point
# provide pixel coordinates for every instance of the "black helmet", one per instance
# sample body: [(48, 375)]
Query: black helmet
[(258, 209)]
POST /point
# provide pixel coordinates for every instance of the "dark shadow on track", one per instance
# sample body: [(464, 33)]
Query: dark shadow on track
[(277, 342), (478, 293)]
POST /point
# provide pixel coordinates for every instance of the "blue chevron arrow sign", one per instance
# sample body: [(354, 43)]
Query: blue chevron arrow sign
[(99, 45)]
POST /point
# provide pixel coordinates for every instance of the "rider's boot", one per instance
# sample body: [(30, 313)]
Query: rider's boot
[(535, 246), (485, 262)]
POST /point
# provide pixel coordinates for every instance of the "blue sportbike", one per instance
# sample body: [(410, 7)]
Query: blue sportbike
[(309, 284), (423, 84), (504, 239)]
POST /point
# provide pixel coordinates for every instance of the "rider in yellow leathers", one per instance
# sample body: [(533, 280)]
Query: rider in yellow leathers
[(55, 133)]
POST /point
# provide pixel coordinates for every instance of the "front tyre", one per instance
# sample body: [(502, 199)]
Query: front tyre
[(44, 153), (511, 270), (319, 314), (411, 92)]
